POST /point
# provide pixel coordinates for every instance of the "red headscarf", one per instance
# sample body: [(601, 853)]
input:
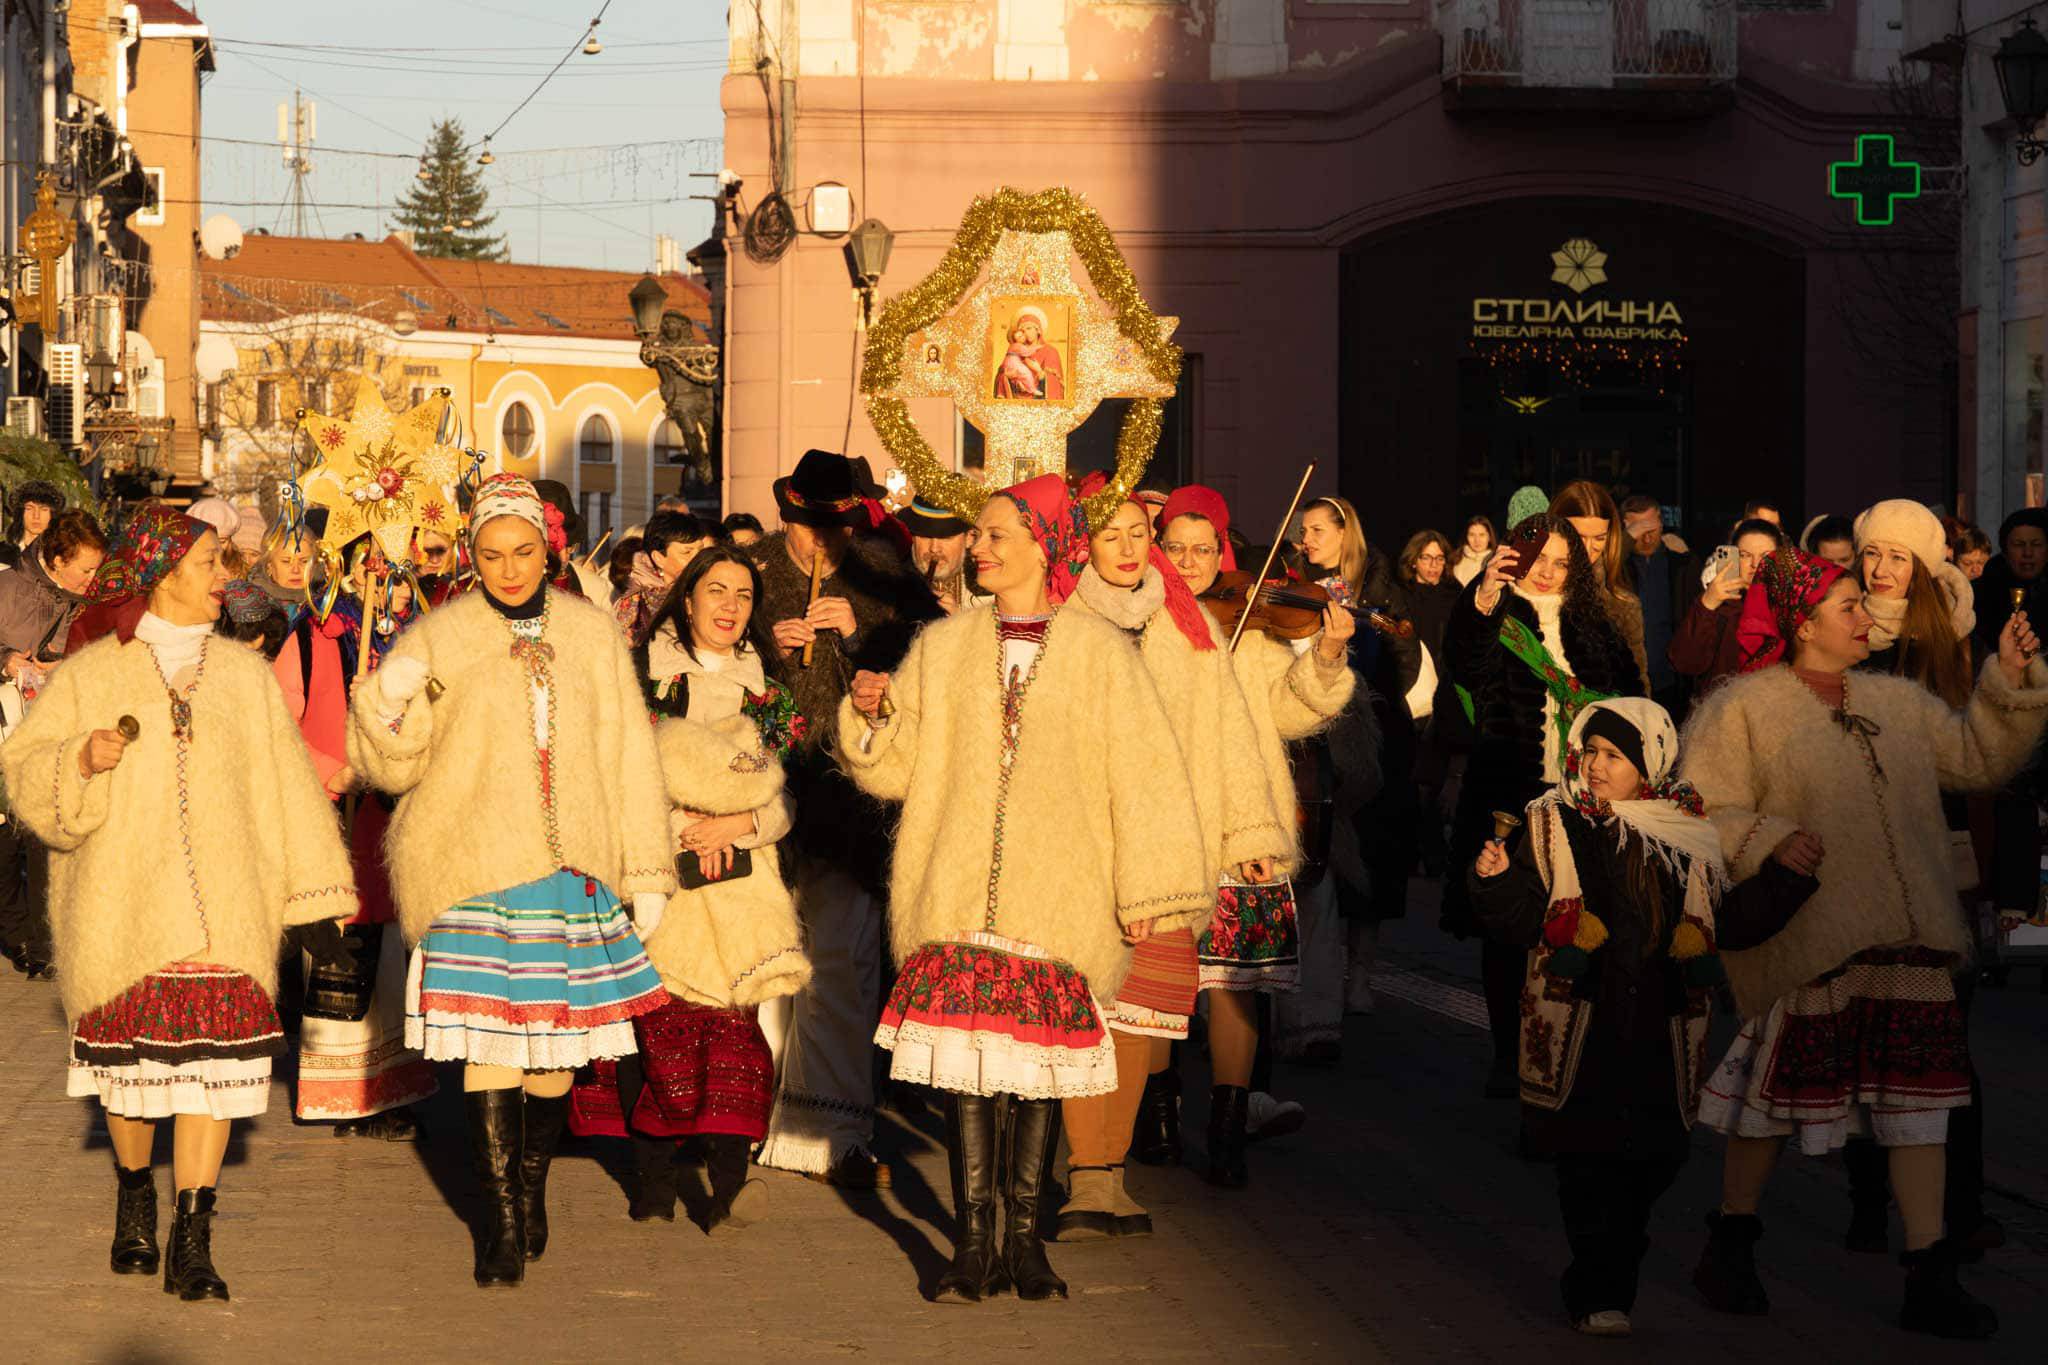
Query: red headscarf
[(1201, 501), (1788, 587), (1181, 605), (1056, 522)]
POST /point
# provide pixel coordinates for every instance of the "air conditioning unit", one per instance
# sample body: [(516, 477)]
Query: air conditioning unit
[(65, 409), (25, 416)]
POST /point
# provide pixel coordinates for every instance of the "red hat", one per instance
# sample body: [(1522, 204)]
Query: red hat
[(1181, 605), (1199, 500)]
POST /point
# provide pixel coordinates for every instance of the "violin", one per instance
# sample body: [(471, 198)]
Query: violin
[(1287, 611)]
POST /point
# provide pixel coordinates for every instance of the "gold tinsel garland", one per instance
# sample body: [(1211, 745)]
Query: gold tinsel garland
[(981, 227)]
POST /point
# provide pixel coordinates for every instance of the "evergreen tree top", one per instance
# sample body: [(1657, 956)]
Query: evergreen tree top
[(446, 211)]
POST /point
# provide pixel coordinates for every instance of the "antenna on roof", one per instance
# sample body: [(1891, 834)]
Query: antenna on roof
[(295, 132)]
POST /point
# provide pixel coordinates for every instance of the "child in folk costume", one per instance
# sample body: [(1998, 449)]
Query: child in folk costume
[(1614, 892), (729, 940), (1852, 1026), (1130, 584), (1252, 944), (531, 801), (168, 751), (1041, 835)]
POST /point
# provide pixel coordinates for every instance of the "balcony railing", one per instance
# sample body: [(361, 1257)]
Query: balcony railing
[(1588, 44)]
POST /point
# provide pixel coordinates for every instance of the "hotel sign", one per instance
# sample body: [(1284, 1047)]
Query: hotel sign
[(1579, 266)]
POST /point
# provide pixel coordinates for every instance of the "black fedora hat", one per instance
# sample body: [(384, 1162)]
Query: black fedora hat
[(821, 492), (935, 523)]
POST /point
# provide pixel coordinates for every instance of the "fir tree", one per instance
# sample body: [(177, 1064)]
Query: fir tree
[(445, 212)]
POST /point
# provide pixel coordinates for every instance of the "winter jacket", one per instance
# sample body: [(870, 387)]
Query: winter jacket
[(1705, 647), (1994, 602), (200, 852), (474, 816), (1290, 697), (1087, 830), (319, 702), (1771, 759), (35, 614)]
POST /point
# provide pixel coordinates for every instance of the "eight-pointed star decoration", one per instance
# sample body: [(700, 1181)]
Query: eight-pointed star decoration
[(1029, 272), (382, 473)]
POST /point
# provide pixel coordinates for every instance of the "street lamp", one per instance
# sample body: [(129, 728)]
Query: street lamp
[(869, 247), (102, 373), (2022, 66), (647, 299)]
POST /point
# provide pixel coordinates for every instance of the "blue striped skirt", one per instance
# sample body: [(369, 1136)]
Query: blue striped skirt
[(544, 977)]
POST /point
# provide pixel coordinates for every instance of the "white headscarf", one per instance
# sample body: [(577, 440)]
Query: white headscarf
[(1665, 821)]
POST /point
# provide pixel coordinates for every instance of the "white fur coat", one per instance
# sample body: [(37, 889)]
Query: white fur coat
[(1770, 759), (1289, 696), (201, 856)]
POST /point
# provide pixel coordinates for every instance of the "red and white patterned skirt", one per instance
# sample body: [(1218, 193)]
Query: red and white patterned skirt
[(707, 1071), (1158, 995), (189, 1038)]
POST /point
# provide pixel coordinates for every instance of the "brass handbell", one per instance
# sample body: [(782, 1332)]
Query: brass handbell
[(1505, 824), (130, 728)]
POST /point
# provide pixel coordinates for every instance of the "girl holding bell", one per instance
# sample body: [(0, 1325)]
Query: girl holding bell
[(1041, 836), (168, 741), (531, 802), (1614, 894), (1130, 584)]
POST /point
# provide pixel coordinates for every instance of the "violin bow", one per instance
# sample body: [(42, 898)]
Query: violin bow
[(1279, 539)]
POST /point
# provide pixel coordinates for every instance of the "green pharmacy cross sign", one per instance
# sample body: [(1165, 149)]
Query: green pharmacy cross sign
[(1874, 180)]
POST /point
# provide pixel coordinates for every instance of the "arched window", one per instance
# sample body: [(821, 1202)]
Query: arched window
[(517, 431), (594, 446), (668, 444)]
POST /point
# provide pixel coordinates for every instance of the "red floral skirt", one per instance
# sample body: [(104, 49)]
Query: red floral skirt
[(184, 1012), (992, 1015), (1253, 942), (707, 1071)]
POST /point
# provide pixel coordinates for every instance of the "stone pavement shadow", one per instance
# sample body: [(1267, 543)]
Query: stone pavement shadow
[(917, 1199), (444, 1149)]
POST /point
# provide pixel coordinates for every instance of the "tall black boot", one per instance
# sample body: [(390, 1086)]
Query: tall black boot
[(1034, 1133), (977, 1271), (654, 1190), (1870, 1197), (1726, 1275), (545, 1119), (735, 1200), (188, 1270), (1228, 1108), (134, 1251), (1156, 1139), (1936, 1301), (497, 1129)]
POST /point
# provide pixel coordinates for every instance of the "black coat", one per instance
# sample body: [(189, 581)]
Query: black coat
[(1994, 603), (1505, 771)]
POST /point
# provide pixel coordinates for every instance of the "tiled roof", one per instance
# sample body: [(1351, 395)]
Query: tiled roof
[(165, 12), (274, 277)]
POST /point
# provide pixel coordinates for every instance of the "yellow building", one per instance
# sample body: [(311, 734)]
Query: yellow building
[(542, 363)]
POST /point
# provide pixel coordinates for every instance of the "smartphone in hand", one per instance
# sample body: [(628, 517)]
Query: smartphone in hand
[(1725, 560)]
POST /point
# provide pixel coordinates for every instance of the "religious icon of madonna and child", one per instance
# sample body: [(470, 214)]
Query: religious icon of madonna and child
[(1030, 346)]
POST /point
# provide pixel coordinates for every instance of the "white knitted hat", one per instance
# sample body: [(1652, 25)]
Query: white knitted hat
[(1903, 522)]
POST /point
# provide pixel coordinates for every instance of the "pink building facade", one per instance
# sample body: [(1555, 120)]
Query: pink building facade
[(1442, 248)]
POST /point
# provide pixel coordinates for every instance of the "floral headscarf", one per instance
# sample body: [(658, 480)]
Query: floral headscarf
[(149, 547), (1668, 813), (1056, 522), (1789, 586), (1186, 613), (509, 495)]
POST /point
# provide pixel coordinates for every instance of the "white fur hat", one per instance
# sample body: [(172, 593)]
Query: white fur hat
[(1903, 522)]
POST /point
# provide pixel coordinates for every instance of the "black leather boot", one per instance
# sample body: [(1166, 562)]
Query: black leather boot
[(1936, 1301), (654, 1194), (1228, 1107), (977, 1271), (497, 1128), (735, 1200), (1155, 1141), (188, 1270), (1034, 1133), (1726, 1275), (134, 1251), (1870, 1197), (545, 1119)]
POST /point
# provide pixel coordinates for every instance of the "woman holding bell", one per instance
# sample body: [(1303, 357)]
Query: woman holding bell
[(530, 803), (1041, 837), (166, 739)]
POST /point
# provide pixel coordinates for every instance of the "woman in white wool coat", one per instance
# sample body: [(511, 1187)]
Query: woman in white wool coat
[(1130, 584), (1252, 945), (531, 801), (1852, 1023), (728, 942), (180, 852), (1041, 836)]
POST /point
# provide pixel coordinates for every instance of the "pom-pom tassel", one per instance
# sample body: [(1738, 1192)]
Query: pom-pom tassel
[(1704, 973), (1568, 962), (1590, 934), (1689, 941), (1562, 927)]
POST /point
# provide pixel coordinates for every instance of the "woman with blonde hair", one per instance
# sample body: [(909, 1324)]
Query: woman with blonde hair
[(1590, 509)]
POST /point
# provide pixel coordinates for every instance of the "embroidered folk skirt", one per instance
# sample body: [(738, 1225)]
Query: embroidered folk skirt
[(707, 1071), (189, 1038), (994, 1016), (1158, 996), (544, 977), (356, 1068), (1253, 942), (1876, 1049)]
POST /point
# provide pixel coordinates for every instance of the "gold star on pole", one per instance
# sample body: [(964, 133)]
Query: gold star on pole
[(382, 474)]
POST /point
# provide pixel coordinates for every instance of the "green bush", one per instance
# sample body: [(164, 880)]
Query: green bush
[(23, 458)]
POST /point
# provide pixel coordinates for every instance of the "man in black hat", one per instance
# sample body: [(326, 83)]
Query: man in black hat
[(938, 550), (869, 603)]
